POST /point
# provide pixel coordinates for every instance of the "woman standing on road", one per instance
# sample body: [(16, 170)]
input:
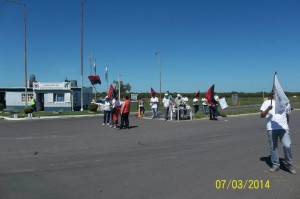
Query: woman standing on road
[(125, 110)]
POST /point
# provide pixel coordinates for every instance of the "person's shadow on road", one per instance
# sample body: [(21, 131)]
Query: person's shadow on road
[(267, 160)]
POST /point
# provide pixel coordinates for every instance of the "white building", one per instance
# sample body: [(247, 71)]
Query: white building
[(50, 96)]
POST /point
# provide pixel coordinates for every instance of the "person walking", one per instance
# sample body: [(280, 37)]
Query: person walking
[(278, 128), (125, 110)]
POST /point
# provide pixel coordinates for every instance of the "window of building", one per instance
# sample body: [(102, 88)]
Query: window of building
[(28, 97), (58, 97)]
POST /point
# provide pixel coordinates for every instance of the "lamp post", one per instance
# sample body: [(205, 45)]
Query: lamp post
[(159, 63), (81, 54), (119, 86), (25, 49)]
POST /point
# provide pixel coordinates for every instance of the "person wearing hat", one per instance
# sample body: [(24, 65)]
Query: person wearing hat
[(167, 102), (107, 110), (178, 103)]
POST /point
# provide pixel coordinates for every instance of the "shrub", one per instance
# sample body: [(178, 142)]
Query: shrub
[(28, 110), (1, 107), (92, 107)]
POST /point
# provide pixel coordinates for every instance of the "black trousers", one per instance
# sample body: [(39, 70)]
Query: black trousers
[(124, 120), (212, 112)]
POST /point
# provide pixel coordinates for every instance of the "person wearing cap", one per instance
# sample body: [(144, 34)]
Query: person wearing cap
[(167, 102), (107, 110), (178, 103), (185, 101), (169, 96), (278, 128)]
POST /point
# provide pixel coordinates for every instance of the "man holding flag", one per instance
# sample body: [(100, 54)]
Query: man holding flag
[(276, 111)]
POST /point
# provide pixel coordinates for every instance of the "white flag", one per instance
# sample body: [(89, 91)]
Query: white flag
[(106, 74), (281, 100)]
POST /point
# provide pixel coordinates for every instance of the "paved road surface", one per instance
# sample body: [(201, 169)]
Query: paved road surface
[(78, 158)]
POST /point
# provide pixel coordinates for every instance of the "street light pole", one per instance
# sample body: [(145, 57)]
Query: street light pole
[(159, 63), (119, 86), (25, 49), (25, 56), (81, 55)]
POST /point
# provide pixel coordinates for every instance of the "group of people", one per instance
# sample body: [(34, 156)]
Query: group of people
[(180, 103), (113, 108), (277, 123)]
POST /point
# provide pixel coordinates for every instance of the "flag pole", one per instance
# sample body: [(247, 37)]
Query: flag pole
[(273, 87)]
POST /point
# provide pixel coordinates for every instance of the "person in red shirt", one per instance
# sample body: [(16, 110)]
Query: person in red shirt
[(125, 110)]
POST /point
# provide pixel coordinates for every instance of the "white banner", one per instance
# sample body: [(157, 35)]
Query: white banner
[(223, 103), (52, 86)]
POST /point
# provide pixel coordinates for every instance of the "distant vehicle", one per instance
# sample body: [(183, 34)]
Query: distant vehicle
[(100, 104)]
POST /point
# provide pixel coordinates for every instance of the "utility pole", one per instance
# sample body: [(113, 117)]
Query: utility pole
[(25, 49)]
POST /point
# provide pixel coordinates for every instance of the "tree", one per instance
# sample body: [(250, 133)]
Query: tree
[(123, 87)]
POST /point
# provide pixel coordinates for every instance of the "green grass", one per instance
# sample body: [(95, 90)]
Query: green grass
[(257, 101)]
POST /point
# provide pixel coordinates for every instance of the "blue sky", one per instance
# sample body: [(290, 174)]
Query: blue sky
[(235, 44)]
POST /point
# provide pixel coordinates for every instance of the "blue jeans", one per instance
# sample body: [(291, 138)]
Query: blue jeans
[(154, 112), (166, 113), (284, 136), (106, 117)]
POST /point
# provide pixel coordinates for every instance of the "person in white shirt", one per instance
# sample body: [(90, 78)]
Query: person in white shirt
[(107, 111), (185, 101), (167, 102), (178, 102), (278, 127), (115, 112), (217, 99), (154, 105), (196, 104), (204, 105)]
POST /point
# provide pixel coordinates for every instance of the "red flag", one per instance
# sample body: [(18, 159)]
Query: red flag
[(153, 92), (197, 94), (94, 79), (111, 92), (210, 95)]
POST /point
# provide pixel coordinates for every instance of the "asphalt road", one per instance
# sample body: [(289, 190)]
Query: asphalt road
[(78, 158)]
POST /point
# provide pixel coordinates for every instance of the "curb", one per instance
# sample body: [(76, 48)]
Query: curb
[(50, 117)]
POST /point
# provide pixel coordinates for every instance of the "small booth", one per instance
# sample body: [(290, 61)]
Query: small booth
[(49, 96)]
